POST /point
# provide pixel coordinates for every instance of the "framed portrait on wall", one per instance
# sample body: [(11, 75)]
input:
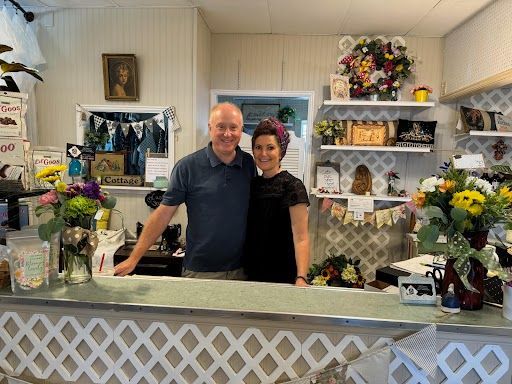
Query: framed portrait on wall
[(340, 90), (120, 77)]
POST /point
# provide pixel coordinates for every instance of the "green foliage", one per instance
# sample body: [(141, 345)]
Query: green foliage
[(330, 128), (95, 139), (286, 113)]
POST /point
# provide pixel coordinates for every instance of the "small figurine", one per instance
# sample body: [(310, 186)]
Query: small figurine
[(450, 303), (363, 181), (392, 176)]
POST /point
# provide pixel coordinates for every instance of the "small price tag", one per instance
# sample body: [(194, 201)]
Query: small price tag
[(468, 161), (98, 214), (359, 215), (362, 204)]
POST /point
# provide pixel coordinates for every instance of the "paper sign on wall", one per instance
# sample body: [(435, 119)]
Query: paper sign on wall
[(157, 164), (361, 204), (468, 161)]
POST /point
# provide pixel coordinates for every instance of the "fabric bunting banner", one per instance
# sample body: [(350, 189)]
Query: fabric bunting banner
[(372, 366), (378, 218)]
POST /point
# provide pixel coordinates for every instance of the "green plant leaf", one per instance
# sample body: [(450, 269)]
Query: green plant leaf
[(435, 212), (505, 169), (458, 214), (40, 209), (44, 232), (428, 235)]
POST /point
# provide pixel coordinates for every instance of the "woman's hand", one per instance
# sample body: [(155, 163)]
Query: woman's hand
[(301, 281)]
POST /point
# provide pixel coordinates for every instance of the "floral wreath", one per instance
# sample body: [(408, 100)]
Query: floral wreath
[(375, 67)]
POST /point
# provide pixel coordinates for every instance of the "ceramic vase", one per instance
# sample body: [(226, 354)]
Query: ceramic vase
[(327, 140), (469, 300)]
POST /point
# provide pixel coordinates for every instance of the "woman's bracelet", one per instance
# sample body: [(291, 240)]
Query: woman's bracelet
[(301, 277)]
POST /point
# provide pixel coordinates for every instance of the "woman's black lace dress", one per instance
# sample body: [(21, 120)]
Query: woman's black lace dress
[(270, 254)]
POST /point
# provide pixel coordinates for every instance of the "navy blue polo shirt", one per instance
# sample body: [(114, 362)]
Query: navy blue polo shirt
[(217, 200)]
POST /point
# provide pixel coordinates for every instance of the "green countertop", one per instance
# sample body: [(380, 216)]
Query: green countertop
[(260, 300)]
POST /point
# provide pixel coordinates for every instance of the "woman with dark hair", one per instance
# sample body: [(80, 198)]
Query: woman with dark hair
[(277, 246)]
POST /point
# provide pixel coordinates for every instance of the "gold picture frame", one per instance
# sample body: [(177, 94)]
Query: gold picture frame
[(120, 79), (340, 88), (107, 164)]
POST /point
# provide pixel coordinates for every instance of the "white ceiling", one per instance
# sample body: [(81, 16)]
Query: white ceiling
[(426, 18)]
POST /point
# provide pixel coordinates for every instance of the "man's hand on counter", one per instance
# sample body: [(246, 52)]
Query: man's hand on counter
[(300, 281), (125, 267)]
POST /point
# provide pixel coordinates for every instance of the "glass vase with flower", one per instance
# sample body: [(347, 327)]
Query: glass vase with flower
[(72, 208), (464, 208)]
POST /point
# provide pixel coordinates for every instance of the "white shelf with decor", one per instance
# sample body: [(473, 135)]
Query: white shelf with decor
[(374, 148), (377, 104), (346, 196)]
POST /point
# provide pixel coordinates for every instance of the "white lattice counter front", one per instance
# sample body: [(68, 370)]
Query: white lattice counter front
[(172, 330)]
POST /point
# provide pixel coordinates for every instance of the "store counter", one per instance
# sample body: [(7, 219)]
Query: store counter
[(162, 329)]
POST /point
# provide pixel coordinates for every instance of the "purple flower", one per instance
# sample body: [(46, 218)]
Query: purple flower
[(73, 190), (91, 190)]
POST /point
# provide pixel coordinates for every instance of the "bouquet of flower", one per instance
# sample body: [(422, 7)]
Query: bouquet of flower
[(456, 203), (72, 205), (332, 128), (374, 67), (421, 87), (337, 271)]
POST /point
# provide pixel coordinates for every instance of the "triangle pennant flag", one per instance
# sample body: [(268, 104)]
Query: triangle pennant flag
[(125, 127), (98, 121), (149, 124), (111, 127), (373, 365), (170, 113), (159, 120), (398, 213), (383, 217), (369, 218), (420, 347), (326, 204), (139, 129), (338, 211), (349, 219)]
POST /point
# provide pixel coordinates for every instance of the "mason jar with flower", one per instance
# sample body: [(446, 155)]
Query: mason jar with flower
[(72, 208), (464, 208), (331, 131)]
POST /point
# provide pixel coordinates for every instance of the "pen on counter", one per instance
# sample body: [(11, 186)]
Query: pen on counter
[(435, 265), (101, 262)]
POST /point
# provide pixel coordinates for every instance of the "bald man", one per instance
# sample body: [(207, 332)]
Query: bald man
[(214, 184)]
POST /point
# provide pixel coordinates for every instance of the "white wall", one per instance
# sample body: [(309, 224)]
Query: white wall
[(479, 48), (162, 39)]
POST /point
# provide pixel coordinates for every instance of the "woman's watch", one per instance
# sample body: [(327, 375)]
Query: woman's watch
[(301, 277)]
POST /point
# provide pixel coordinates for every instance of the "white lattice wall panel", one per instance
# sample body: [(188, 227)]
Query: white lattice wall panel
[(499, 100), (73, 349), (376, 247)]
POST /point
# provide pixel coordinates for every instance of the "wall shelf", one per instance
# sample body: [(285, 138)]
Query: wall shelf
[(345, 196), (368, 103), (375, 148)]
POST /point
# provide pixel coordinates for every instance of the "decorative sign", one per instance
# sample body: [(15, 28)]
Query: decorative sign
[(362, 204), (43, 157), (80, 152), (108, 164), (11, 151), (125, 180), (416, 289), (468, 161), (157, 164), (12, 112), (328, 177)]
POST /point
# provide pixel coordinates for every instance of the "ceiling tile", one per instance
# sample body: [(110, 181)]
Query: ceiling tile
[(153, 3), (390, 17), (446, 16), (241, 16), (306, 17)]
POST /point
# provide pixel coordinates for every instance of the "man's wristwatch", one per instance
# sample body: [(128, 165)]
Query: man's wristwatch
[(301, 277)]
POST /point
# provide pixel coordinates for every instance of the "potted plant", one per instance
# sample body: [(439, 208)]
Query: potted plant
[(421, 92), (330, 131), (6, 68), (286, 114), (464, 208)]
